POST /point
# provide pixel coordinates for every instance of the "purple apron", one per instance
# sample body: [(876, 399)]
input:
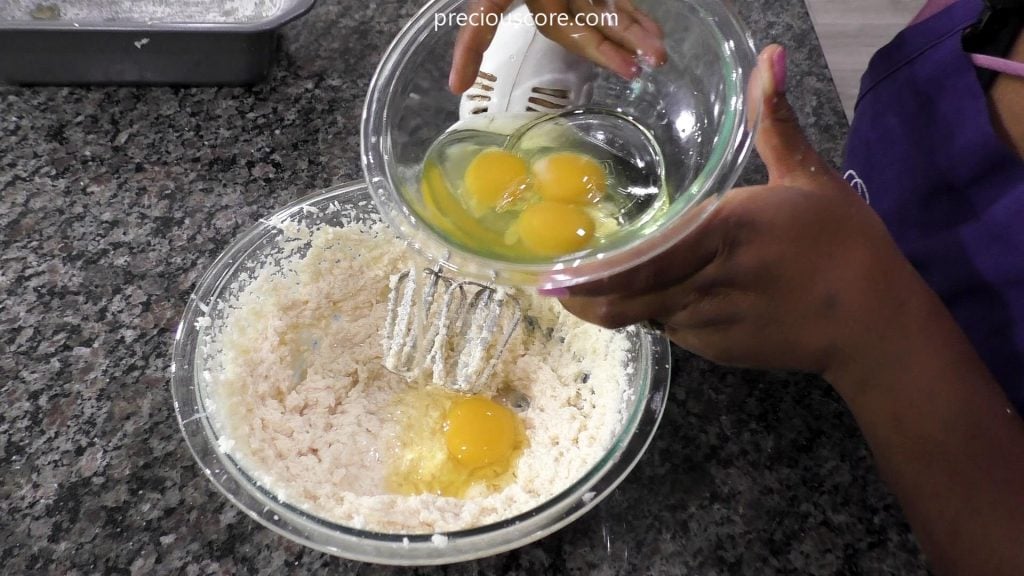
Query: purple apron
[(923, 152)]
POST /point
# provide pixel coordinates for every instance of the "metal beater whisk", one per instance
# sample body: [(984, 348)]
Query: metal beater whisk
[(457, 329), (460, 329)]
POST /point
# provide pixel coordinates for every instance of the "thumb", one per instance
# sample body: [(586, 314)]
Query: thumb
[(780, 141)]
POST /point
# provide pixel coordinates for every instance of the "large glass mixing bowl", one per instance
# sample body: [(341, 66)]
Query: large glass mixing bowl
[(695, 107), (192, 358)]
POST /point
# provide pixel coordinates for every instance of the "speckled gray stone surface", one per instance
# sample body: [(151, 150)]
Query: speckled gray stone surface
[(115, 200)]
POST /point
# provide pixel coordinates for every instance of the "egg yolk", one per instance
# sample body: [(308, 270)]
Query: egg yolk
[(570, 177), (554, 229), (452, 445), (480, 432), (493, 178)]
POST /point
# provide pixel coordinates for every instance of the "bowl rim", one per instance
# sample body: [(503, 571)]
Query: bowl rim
[(289, 520), (718, 175)]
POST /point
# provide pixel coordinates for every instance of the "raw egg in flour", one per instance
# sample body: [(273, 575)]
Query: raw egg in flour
[(449, 444), (480, 432)]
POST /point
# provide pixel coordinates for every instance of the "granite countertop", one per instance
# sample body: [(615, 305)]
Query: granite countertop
[(115, 200)]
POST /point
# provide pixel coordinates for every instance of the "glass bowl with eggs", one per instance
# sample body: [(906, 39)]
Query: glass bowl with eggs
[(551, 171), (280, 390)]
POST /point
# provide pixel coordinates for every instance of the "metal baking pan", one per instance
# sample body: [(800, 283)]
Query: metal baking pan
[(191, 42)]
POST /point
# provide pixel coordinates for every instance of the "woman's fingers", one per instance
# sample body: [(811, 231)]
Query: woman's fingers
[(706, 233), (583, 41), (715, 343), (652, 27), (781, 141), (664, 270), (472, 41), (622, 34), (620, 22), (619, 311), (691, 302)]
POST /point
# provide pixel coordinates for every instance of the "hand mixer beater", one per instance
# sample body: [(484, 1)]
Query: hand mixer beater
[(459, 329)]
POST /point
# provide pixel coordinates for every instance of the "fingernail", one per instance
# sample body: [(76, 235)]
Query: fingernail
[(647, 61), (553, 292), (779, 70)]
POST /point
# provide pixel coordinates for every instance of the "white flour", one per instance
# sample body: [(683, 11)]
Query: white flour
[(304, 404), (140, 11)]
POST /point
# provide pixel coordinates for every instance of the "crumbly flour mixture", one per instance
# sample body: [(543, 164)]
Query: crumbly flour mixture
[(301, 399)]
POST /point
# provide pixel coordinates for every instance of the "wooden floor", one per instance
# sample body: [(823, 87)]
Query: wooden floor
[(851, 30)]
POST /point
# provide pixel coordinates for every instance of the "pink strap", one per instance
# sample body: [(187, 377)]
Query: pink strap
[(1001, 65)]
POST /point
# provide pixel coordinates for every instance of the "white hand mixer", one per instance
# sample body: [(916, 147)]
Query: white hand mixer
[(524, 71), (459, 329)]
